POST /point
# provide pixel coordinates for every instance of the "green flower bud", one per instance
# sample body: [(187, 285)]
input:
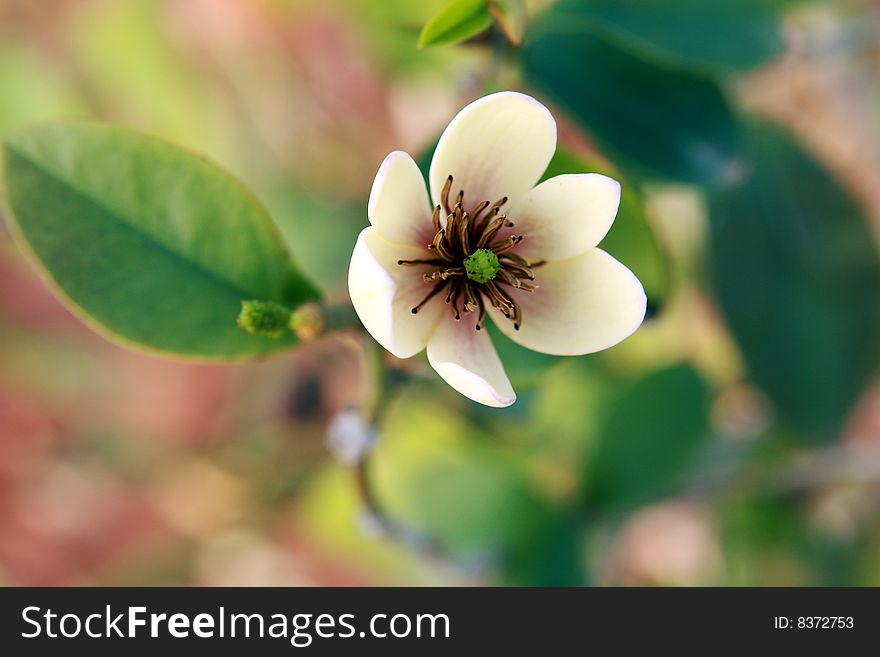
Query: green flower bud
[(264, 318)]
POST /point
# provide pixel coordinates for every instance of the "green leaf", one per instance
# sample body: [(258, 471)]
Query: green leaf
[(524, 367), (149, 244), (712, 36), (772, 541), (510, 17), (631, 239), (320, 232), (661, 122), (457, 21), (556, 556), (797, 276), (451, 482), (649, 434)]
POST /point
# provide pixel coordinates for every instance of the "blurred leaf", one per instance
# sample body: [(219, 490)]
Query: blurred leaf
[(319, 232), (524, 367), (798, 278), (712, 36), (556, 556), (32, 89), (770, 541), (129, 56), (510, 16), (788, 3), (631, 239), (392, 27), (457, 21), (661, 122), (648, 436), (449, 482), (150, 244), (424, 160), (567, 410), (329, 512)]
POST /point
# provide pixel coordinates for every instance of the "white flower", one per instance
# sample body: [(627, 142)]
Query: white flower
[(494, 244)]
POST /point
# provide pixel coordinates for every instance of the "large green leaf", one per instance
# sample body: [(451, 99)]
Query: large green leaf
[(448, 481), (320, 232), (797, 276), (150, 244), (713, 36), (649, 434), (667, 123), (457, 21)]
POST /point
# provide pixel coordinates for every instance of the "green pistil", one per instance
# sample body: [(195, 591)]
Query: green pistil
[(481, 266)]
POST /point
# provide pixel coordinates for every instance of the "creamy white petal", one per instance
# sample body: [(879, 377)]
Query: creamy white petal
[(497, 146), (466, 360), (582, 304), (383, 294), (565, 216), (398, 206)]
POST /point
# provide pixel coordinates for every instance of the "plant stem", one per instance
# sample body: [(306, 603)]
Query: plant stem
[(339, 317)]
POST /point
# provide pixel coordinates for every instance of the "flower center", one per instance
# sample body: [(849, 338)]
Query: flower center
[(481, 266), (471, 264)]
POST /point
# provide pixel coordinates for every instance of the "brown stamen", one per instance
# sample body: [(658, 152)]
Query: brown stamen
[(437, 290), (464, 232), (517, 318), (505, 276), (502, 297), (520, 272), (491, 214), (517, 259), (444, 195), (456, 292), (477, 211), (481, 319), (491, 230), (468, 290), (430, 261), (470, 299), (505, 245)]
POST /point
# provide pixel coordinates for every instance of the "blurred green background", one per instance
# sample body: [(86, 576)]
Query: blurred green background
[(733, 440)]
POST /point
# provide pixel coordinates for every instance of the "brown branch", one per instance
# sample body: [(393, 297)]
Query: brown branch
[(405, 536)]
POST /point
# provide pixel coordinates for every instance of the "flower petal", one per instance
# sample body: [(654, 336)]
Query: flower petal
[(398, 205), (467, 361), (582, 304), (497, 146), (383, 294), (565, 216)]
